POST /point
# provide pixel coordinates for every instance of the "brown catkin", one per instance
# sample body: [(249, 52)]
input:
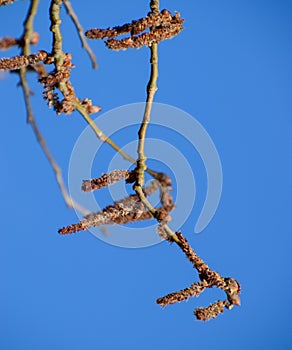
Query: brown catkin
[(112, 214), (134, 28), (87, 104), (162, 26), (51, 81), (18, 62), (129, 209), (212, 311), (56, 77), (205, 273), (7, 42), (67, 105), (195, 289), (145, 39), (208, 277), (105, 180)]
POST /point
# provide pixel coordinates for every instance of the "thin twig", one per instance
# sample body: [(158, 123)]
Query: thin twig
[(80, 32), (28, 31), (71, 203), (154, 6), (104, 138), (151, 89), (140, 169), (28, 27), (99, 133)]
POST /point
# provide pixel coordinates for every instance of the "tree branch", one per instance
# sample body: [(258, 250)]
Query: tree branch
[(208, 277)]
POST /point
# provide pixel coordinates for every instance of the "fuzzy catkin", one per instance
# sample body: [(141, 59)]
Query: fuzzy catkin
[(212, 311), (18, 62)]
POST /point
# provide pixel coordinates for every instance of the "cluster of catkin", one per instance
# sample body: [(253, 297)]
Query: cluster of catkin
[(131, 209), (128, 209), (56, 80), (208, 279), (162, 25), (59, 78)]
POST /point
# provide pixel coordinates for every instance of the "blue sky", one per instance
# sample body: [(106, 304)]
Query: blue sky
[(230, 69)]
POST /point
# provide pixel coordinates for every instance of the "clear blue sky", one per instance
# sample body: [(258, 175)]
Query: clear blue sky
[(231, 68)]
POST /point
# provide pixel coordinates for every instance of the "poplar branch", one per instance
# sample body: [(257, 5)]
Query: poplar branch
[(208, 277)]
